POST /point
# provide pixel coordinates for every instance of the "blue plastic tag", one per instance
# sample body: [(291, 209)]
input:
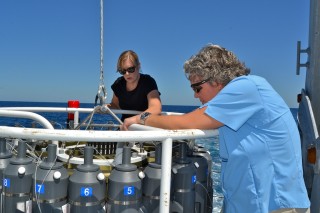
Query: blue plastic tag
[(128, 190), (39, 189), (194, 178), (86, 191), (6, 183)]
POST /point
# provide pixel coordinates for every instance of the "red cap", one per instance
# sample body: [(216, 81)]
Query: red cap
[(72, 104)]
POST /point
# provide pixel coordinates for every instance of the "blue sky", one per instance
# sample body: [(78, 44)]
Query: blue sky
[(50, 50)]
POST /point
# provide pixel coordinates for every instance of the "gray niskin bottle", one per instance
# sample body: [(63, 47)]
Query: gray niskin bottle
[(17, 181), (50, 184), (87, 186), (202, 199), (204, 153), (5, 157), (151, 183), (124, 187), (183, 180)]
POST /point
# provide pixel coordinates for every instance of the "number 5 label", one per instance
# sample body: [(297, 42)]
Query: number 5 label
[(128, 190)]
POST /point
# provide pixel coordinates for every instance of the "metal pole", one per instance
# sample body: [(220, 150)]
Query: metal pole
[(103, 136), (76, 119), (165, 175)]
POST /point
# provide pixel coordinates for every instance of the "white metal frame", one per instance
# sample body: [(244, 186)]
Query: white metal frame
[(136, 133)]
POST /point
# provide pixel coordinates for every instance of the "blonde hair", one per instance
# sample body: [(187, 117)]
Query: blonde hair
[(128, 54)]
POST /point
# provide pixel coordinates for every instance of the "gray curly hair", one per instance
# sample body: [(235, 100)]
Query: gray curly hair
[(215, 62)]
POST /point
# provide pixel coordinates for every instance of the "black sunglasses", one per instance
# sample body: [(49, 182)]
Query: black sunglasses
[(197, 86), (129, 70)]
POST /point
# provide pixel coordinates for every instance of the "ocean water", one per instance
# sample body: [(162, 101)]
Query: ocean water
[(59, 121), (61, 118)]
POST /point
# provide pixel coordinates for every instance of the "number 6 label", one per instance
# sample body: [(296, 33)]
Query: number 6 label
[(86, 191)]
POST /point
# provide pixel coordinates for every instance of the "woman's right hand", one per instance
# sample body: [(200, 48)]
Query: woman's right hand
[(129, 121)]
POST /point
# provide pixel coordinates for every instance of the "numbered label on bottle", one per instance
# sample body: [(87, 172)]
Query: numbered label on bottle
[(6, 182), (194, 178), (128, 190), (39, 188), (86, 191)]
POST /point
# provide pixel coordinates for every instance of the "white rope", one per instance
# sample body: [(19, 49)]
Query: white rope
[(102, 94), (101, 40)]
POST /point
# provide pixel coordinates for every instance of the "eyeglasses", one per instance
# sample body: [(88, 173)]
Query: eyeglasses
[(129, 70), (197, 86)]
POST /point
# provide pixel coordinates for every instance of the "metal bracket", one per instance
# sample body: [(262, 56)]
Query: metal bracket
[(299, 51), (101, 95)]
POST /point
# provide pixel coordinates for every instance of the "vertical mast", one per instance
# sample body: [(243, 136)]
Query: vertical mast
[(312, 85)]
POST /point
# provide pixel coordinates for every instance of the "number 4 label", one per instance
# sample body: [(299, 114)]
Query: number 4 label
[(194, 178)]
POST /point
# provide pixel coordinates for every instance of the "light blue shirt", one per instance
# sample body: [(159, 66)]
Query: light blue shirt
[(259, 147)]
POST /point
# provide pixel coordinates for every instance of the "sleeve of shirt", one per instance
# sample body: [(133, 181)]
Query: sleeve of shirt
[(235, 103), (150, 84)]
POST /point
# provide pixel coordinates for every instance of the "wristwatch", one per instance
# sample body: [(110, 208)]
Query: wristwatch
[(143, 117)]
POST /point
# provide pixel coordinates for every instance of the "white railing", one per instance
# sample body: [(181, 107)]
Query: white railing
[(136, 133)]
